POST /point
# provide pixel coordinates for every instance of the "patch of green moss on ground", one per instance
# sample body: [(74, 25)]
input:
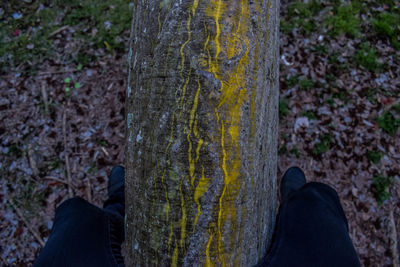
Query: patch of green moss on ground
[(306, 84), (309, 114), (323, 145), (286, 27), (283, 108), (292, 80), (386, 25), (374, 156), (302, 15), (29, 197), (282, 150), (320, 49), (367, 58), (110, 18), (341, 94), (381, 186), (345, 20), (389, 122), (295, 151)]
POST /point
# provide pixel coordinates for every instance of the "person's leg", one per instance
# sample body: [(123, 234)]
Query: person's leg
[(311, 228), (85, 235)]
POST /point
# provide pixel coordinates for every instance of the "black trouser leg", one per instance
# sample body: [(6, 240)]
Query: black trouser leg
[(83, 235), (312, 230)]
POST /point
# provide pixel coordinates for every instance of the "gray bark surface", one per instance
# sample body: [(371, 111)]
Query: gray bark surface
[(201, 133)]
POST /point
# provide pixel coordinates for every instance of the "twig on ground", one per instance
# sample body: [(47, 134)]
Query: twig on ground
[(59, 30), (393, 239), (32, 161), (11, 75), (57, 180), (55, 72), (45, 100), (22, 218), (64, 129), (105, 151)]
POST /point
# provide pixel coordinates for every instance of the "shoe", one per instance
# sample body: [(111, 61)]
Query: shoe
[(115, 208), (116, 181), (115, 204), (292, 180)]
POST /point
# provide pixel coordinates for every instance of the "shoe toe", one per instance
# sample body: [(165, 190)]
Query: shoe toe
[(116, 180), (296, 174), (292, 180)]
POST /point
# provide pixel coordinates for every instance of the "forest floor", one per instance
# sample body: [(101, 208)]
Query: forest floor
[(62, 91)]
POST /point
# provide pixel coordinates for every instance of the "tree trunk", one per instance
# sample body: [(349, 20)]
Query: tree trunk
[(201, 143)]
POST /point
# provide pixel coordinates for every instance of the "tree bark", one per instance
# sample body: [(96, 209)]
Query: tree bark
[(201, 142)]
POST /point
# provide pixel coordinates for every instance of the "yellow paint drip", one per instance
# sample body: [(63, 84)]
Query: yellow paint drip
[(191, 122), (171, 233), (220, 221), (175, 256), (159, 23), (183, 218), (194, 6), (208, 258), (199, 144), (189, 32), (215, 10), (201, 188)]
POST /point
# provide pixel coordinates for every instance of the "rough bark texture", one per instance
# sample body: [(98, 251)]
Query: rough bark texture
[(202, 105)]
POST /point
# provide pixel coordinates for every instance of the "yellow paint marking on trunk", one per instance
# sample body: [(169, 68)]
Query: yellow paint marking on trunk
[(183, 218), (228, 114), (159, 23), (208, 259), (171, 233), (220, 218), (201, 188), (220, 8), (189, 33), (175, 256), (194, 6), (191, 161), (199, 144), (191, 122), (206, 43)]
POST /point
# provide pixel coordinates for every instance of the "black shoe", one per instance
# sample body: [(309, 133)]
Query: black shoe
[(292, 180), (115, 203), (116, 181), (115, 208)]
